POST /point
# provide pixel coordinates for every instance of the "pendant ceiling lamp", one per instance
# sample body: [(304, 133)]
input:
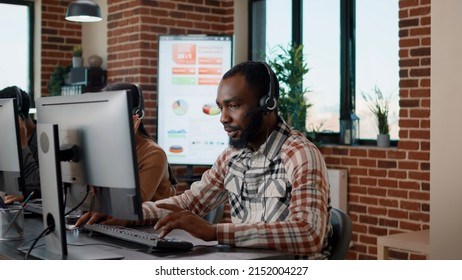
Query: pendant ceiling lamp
[(83, 11)]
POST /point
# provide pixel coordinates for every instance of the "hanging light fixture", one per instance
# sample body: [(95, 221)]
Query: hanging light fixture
[(83, 11)]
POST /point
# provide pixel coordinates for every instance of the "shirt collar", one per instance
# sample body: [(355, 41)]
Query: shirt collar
[(270, 148)]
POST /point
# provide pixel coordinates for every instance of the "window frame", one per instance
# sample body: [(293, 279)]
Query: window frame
[(347, 59)]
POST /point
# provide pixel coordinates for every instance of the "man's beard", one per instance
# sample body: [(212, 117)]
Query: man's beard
[(249, 133)]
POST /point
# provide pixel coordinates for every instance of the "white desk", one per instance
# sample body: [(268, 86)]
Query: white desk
[(202, 250)]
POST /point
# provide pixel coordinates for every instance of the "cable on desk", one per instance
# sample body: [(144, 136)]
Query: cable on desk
[(22, 245), (103, 244), (45, 232), (51, 227)]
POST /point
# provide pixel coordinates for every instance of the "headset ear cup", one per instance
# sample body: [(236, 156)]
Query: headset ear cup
[(262, 102), (272, 104), (19, 101), (269, 101), (140, 109)]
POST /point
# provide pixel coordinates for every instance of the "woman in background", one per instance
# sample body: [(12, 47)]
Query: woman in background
[(156, 177)]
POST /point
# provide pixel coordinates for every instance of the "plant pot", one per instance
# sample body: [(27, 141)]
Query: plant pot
[(383, 140), (77, 61)]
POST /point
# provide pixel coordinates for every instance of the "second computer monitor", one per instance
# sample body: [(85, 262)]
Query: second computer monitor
[(98, 129), (11, 168)]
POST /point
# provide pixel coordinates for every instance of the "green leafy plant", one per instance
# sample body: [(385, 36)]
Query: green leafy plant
[(313, 133), (77, 51), (57, 79), (379, 105), (290, 67)]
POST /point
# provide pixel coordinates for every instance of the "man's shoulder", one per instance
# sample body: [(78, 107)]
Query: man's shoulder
[(297, 138), (297, 142)]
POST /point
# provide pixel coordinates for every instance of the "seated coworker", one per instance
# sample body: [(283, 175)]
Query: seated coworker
[(28, 143), (156, 177), (273, 177)]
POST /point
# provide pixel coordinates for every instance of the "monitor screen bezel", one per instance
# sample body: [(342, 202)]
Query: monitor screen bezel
[(12, 177)]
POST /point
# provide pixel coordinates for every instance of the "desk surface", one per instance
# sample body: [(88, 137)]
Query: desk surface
[(202, 250)]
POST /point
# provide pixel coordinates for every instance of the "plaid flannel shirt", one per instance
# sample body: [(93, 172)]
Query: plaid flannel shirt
[(279, 196)]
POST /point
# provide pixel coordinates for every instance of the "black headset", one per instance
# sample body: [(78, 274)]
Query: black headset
[(139, 110), (19, 101), (268, 101)]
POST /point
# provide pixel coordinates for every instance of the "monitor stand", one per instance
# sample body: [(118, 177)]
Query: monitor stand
[(52, 200)]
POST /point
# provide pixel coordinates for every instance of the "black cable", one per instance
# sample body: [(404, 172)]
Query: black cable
[(66, 187), (101, 244), (80, 203), (48, 230), (265, 186), (92, 204), (41, 235)]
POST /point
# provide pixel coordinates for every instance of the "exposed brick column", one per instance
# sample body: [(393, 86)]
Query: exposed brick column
[(58, 38), (133, 29)]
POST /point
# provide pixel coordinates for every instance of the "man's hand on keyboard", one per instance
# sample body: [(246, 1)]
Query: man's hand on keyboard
[(94, 217), (180, 218)]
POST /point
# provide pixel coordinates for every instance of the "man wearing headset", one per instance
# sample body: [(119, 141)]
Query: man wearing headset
[(273, 178), (28, 143)]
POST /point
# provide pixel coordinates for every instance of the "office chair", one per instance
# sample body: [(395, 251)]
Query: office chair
[(342, 231)]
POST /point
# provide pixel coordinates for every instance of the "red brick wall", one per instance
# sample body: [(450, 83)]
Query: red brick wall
[(389, 189), (58, 38), (133, 29)]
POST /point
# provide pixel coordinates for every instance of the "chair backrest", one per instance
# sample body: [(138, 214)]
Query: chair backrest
[(342, 231)]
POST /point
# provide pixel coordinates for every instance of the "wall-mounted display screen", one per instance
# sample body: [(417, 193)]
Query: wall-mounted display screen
[(190, 68)]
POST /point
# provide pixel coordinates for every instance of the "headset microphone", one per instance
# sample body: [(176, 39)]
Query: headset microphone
[(256, 110)]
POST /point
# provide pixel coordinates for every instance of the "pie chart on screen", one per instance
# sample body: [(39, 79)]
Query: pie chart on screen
[(180, 107), (211, 109)]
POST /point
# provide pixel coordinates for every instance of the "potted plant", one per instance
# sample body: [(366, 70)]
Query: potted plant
[(379, 107), (57, 79), (77, 60), (290, 67)]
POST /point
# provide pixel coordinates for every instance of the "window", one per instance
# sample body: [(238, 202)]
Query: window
[(16, 31), (271, 25), (377, 61), (321, 42), (373, 55)]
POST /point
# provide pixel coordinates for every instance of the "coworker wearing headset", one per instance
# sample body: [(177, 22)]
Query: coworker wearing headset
[(28, 143), (157, 180), (273, 177)]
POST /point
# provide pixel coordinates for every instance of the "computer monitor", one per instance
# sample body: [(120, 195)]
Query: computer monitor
[(86, 139), (11, 167)]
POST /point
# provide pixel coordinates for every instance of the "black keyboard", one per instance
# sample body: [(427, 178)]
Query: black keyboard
[(151, 240)]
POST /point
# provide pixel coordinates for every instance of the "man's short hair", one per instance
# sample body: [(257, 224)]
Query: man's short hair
[(256, 76)]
